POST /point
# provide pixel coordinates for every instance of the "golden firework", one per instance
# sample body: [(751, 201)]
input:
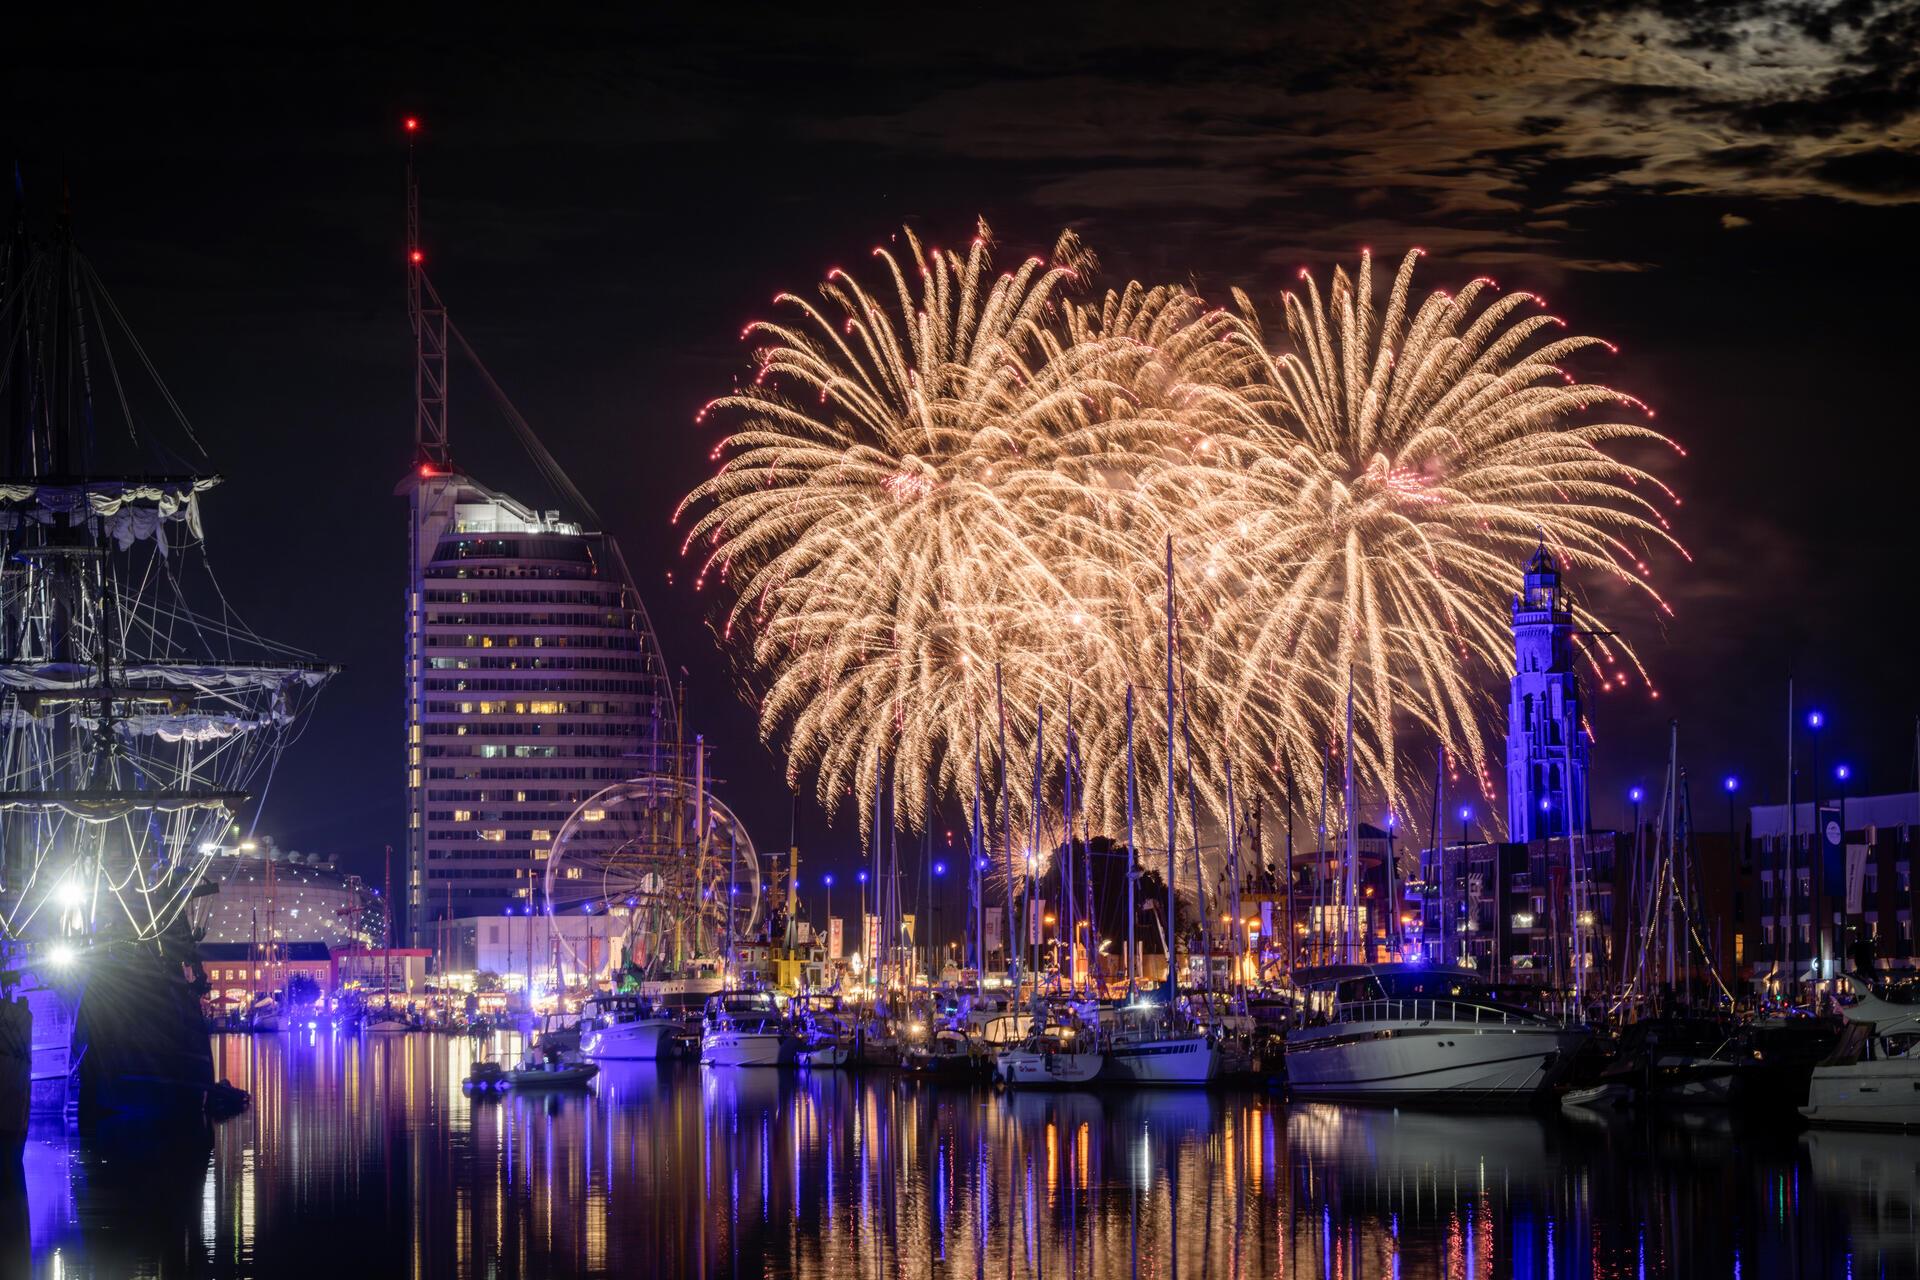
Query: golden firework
[(965, 473)]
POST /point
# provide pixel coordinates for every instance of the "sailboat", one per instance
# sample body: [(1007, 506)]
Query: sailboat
[(133, 721), (1159, 1043)]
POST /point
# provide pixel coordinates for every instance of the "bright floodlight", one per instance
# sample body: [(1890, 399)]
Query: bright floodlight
[(70, 895), (62, 954)]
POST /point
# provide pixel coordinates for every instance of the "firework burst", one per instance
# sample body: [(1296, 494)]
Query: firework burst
[(963, 475)]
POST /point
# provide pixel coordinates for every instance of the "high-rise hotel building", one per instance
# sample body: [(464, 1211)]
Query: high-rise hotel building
[(533, 680)]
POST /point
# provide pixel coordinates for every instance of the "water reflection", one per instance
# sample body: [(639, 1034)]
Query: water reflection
[(365, 1157)]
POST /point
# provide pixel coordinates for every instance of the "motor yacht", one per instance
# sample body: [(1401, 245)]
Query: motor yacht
[(1421, 1034), (624, 1028), (1872, 1079), (746, 1029)]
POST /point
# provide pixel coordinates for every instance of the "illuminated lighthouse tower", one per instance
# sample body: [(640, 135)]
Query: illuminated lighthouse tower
[(1546, 755)]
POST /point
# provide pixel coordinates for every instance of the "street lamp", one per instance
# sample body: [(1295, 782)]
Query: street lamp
[(828, 878)]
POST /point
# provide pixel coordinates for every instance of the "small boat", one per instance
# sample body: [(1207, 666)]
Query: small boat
[(1426, 1034), (553, 1073), (745, 1029), (1706, 1060), (1872, 1079)]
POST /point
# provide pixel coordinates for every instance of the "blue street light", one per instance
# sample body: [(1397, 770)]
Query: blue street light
[(863, 877), (1636, 794), (939, 868), (1842, 772), (829, 879), (1730, 784), (1545, 804), (1466, 813), (1815, 719)]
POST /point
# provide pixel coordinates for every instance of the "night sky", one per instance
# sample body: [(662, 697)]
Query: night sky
[(1728, 192)]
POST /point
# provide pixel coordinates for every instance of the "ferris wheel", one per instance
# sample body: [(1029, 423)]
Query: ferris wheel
[(678, 870)]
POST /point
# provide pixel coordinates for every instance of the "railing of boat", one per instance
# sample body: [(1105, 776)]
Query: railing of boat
[(1431, 1010)]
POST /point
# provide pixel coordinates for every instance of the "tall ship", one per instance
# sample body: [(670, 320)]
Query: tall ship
[(138, 712)]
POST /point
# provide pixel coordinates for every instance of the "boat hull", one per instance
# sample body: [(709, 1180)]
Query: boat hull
[(646, 1040), (1024, 1069), (747, 1049), (824, 1057), (1428, 1062), (564, 1078), (1173, 1060), (1866, 1095)]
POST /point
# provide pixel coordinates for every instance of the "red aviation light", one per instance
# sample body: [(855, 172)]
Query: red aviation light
[(412, 124), (416, 257), (428, 471)]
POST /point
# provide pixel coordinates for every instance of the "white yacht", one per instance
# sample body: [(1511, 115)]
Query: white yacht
[(745, 1029), (1872, 1079), (1422, 1034), (622, 1028), (1149, 1047)]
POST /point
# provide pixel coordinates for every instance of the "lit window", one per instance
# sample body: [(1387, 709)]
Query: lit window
[(594, 815), (493, 835), (463, 815)]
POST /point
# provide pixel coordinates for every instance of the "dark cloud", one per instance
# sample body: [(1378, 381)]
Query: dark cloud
[(1880, 171)]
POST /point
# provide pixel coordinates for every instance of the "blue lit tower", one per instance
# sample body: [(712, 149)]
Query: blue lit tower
[(1543, 717)]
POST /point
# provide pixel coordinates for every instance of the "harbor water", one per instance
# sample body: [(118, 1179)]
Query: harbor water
[(362, 1157)]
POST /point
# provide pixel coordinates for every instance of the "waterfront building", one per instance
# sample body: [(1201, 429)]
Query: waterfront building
[(1823, 884), (239, 973), (533, 680), (273, 895)]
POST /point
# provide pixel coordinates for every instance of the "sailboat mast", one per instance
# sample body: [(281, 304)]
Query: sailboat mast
[(1440, 841), (1033, 850), (977, 856), (1132, 856), (1236, 933), (1351, 880), (1067, 913), (1006, 831), (1173, 841)]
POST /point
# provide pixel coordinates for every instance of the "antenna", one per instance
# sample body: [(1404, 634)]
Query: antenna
[(428, 316)]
